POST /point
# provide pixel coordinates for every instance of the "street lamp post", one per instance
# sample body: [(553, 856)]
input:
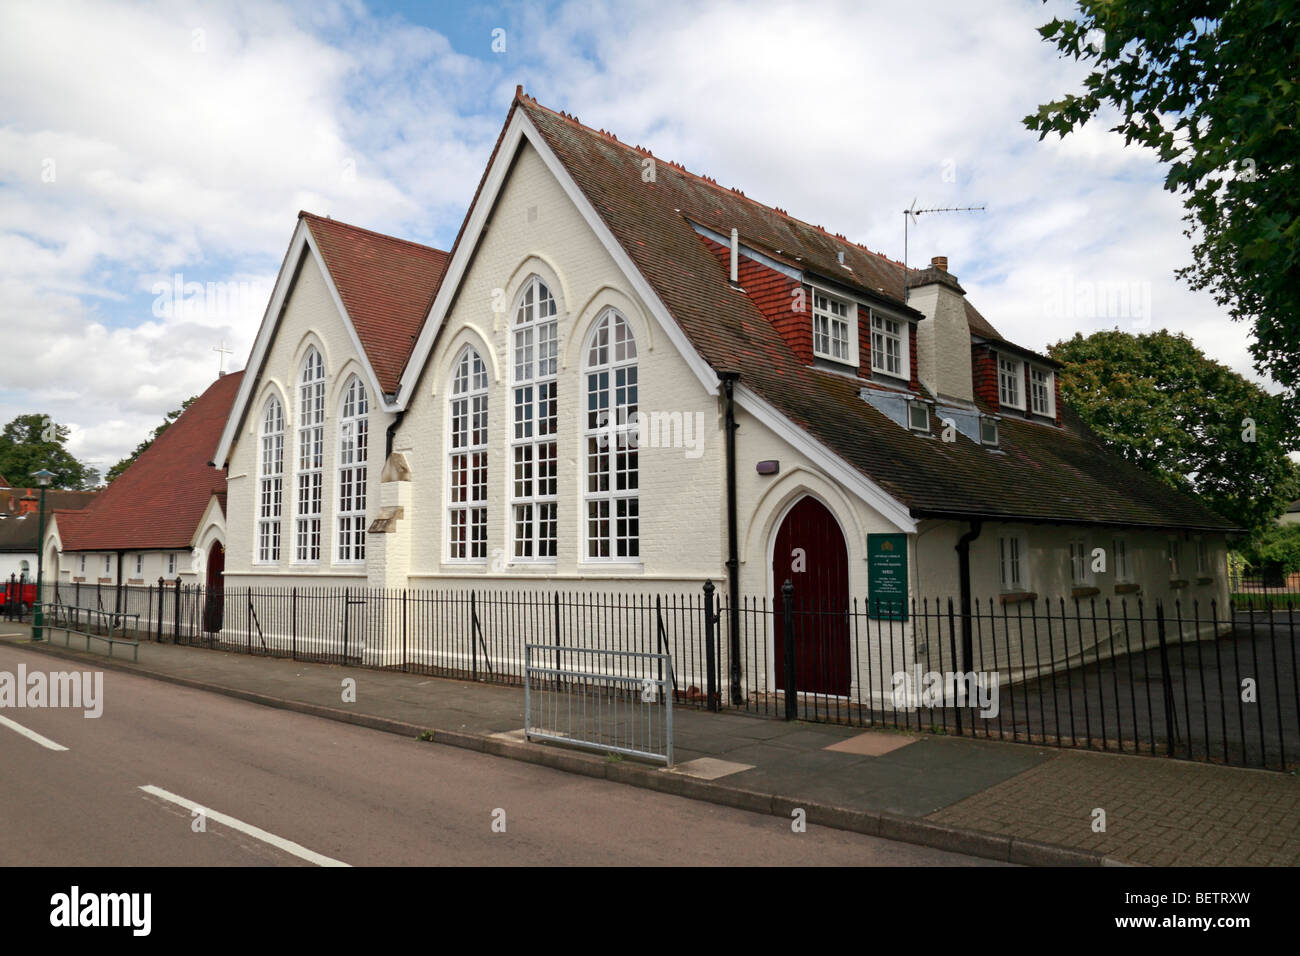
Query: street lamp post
[(43, 478)]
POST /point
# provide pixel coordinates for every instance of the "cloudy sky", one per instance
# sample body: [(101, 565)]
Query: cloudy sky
[(150, 146)]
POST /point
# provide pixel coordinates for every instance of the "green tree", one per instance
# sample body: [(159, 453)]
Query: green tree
[(1275, 549), (125, 463), (1196, 424), (1213, 87), (32, 442)]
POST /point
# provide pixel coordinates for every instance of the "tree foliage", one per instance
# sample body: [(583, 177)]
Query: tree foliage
[(32, 442), (1196, 424), (1276, 548), (126, 462), (1213, 86)]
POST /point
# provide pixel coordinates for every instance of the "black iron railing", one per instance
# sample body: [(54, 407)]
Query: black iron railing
[(1183, 679)]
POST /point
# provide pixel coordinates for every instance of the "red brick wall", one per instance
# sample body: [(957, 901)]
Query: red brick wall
[(984, 369), (772, 293), (864, 341), (911, 344)]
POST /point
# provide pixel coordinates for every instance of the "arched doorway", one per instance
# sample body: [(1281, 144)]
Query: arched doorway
[(214, 603), (810, 552)]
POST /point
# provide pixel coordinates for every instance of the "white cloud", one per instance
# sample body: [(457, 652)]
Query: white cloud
[(182, 152)]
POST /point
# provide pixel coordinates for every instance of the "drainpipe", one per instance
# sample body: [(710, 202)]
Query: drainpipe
[(117, 604), (392, 433), (963, 574), (733, 545)]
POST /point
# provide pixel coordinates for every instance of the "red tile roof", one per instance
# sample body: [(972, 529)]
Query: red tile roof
[(387, 286), (20, 534), (158, 501), (1038, 473)]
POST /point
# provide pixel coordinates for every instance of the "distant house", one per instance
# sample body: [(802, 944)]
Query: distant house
[(1291, 515), (20, 524), (164, 517)]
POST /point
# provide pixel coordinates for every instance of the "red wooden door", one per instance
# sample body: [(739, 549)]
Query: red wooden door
[(810, 552), (214, 605)]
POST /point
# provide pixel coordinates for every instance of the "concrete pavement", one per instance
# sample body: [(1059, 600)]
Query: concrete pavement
[(1004, 801)]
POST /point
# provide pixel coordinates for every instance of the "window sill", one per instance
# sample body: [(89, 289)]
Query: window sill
[(598, 565), (1084, 591), (1128, 588), (1018, 597)]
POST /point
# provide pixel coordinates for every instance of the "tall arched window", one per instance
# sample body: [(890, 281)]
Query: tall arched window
[(532, 442), (354, 443), (467, 450), (311, 455), (270, 482), (611, 488)]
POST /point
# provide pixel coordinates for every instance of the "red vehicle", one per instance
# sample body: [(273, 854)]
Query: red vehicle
[(21, 593)]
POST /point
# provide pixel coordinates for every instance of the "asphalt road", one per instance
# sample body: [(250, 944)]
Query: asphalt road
[(286, 789)]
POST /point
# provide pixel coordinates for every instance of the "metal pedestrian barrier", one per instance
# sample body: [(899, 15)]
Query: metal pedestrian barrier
[(612, 701)]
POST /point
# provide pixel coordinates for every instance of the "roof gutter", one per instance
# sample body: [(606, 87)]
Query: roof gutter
[(923, 513)]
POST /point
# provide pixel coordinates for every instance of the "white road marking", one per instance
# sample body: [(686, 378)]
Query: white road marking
[(45, 742), (288, 846)]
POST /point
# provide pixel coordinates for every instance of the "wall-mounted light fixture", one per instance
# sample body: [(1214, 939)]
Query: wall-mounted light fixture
[(770, 467)]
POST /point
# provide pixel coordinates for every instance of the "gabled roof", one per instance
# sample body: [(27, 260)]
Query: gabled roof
[(20, 534), (383, 287), (386, 285), (157, 502), (1038, 473)]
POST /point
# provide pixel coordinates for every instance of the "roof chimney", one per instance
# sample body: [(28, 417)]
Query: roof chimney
[(27, 503), (735, 257), (940, 262), (943, 340)]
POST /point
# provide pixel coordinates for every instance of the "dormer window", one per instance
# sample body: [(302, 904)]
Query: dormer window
[(888, 346), (1010, 377), (988, 430), (833, 328), (1042, 391)]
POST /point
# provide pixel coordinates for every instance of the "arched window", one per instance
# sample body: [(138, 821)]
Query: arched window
[(532, 441), (270, 482), (467, 450), (311, 455), (354, 443), (611, 488)]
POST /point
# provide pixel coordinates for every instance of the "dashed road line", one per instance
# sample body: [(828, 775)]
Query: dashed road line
[(288, 846), (45, 742)]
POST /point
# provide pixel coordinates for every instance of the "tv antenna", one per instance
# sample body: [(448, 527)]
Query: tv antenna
[(909, 217)]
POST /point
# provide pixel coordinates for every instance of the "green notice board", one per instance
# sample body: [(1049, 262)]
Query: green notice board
[(887, 576)]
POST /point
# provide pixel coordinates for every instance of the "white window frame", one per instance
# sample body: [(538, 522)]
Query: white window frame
[(825, 319), (1080, 563), (353, 473), (1018, 376), (270, 483), (988, 420), (912, 426), (611, 456), (108, 565), (1048, 409), (139, 564), (534, 444), (83, 565), (171, 563), (881, 333), (310, 497), (467, 456), (1203, 558), (1120, 564), (1174, 557), (1013, 564)]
